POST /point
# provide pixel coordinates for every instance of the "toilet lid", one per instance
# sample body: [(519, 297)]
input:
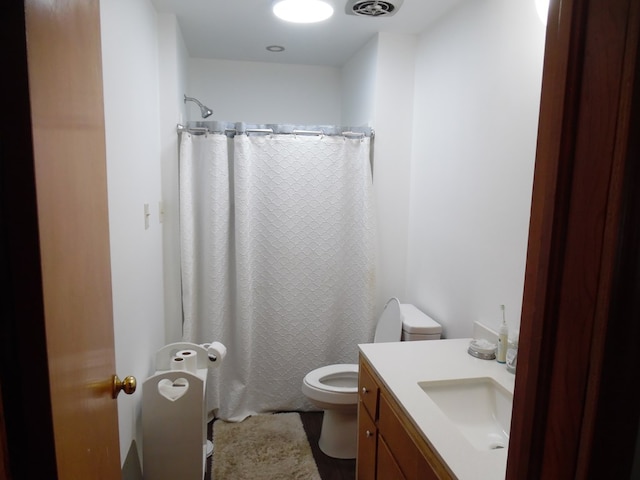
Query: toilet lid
[(389, 327)]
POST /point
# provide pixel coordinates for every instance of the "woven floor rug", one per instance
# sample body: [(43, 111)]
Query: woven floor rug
[(263, 447)]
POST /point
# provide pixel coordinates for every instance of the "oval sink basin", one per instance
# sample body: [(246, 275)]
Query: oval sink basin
[(479, 407)]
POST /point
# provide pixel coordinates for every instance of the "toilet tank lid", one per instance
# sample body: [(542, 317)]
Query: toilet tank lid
[(416, 321)]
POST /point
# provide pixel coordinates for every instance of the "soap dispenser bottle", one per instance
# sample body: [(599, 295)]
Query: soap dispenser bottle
[(503, 339), (512, 355)]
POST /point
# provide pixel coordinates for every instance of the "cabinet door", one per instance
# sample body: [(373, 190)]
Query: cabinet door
[(367, 444), (413, 464), (387, 467)]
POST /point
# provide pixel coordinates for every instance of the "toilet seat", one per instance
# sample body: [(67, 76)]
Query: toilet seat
[(337, 384), (338, 373)]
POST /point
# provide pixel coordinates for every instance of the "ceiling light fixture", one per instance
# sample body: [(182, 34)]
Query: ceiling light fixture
[(275, 48), (302, 11)]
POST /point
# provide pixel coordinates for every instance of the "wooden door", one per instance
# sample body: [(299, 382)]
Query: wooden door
[(576, 410), (69, 167)]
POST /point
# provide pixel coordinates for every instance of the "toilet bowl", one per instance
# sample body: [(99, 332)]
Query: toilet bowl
[(334, 388)]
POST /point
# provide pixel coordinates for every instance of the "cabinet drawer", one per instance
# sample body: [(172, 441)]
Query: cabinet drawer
[(368, 391), (367, 445)]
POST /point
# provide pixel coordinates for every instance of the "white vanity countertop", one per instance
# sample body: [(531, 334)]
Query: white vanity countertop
[(401, 365)]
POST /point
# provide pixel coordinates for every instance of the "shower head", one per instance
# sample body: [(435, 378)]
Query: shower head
[(204, 110)]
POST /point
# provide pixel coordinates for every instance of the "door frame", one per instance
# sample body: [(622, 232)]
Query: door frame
[(26, 436), (574, 415)]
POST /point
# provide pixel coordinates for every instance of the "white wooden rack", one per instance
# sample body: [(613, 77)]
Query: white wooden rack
[(174, 418)]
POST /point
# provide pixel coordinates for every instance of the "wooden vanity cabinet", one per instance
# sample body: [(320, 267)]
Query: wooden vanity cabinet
[(368, 398), (389, 445)]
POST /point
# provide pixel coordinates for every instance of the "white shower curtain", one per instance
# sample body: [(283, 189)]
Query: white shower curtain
[(278, 261)]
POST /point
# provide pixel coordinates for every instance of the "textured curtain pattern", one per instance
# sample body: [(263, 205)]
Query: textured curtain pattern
[(205, 242), (301, 267)]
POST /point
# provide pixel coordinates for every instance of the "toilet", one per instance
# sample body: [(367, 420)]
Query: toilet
[(334, 388)]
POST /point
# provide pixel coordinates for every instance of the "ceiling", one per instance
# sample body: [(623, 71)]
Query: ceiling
[(242, 29)]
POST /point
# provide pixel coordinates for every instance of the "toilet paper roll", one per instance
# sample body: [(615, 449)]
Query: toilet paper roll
[(216, 352), (178, 363), (190, 358)]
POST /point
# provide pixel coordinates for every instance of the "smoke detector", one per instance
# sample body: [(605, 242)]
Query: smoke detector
[(373, 8)]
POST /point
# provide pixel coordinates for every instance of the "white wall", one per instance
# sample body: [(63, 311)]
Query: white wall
[(173, 58), (130, 75), (256, 92), (377, 90), (478, 74), (392, 160), (358, 86)]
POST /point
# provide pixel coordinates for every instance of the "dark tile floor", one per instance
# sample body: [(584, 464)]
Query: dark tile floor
[(329, 468)]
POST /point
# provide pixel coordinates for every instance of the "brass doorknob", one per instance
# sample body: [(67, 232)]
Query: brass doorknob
[(128, 385)]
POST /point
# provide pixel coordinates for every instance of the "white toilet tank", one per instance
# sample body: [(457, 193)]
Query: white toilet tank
[(417, 325)]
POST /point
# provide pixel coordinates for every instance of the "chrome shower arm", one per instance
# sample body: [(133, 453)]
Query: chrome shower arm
[(204, 110)]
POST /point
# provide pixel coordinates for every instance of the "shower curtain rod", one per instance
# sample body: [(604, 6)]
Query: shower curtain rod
[(231, 129)]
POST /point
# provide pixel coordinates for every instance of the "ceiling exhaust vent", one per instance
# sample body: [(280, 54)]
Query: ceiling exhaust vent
[(373, 8)]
